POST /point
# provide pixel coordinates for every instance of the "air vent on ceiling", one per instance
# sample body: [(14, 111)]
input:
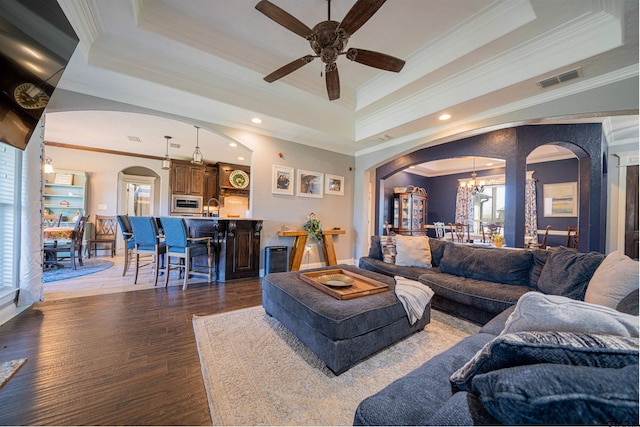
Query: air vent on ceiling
[(134, 139), (560, 78), (384, 137), (174, 145)]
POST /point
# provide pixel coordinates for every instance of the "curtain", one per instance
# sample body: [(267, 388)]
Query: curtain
[(31, 287), (465, 207), (530, 210)]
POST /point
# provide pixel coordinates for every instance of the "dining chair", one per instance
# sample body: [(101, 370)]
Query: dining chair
[(74, 246), (543, 244), (440, 230), (105, 234), (51, 220), (490, 230), (185, 249), (458, 232), (572, 237), (127, 238), (147, 243)]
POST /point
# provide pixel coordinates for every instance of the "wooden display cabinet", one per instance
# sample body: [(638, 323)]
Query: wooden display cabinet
[(410, 214)]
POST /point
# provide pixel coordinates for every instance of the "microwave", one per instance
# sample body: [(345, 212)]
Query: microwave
[(183, 204)]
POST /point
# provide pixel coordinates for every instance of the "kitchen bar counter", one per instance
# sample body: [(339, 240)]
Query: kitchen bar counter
[(236, 242)]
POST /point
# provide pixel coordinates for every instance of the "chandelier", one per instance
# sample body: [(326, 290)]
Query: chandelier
[(476, 187), (197, 155)]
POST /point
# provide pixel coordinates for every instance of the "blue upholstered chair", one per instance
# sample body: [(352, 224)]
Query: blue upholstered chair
[(185, 248), (127, 238), (147, 242)]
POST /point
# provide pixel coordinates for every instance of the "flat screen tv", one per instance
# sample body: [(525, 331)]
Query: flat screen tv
[(36, 43)]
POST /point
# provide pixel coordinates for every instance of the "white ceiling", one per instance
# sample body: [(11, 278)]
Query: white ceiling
[(202, 61)]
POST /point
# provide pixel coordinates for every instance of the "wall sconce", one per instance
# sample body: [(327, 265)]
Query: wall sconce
[(166, 162), (197, 155), (48, 167)]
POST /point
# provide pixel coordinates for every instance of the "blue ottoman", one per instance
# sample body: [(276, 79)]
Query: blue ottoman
[(340, 332)]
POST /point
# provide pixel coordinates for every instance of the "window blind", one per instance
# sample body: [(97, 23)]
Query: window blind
[(9, 200)]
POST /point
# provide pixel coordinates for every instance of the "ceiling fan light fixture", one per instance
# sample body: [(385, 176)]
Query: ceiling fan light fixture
[(328, 40), (197, 154), (166, 162)]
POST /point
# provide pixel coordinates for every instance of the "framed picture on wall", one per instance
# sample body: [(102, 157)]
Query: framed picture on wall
[(561, 199), (282, 180), (334, 184), (310, 183)]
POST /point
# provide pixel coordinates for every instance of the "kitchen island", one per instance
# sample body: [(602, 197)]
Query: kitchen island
[(236, 243)]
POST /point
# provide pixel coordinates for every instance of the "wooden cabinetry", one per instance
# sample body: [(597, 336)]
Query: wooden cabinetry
[(224, 176), (410, 214), (236, 245), (65, 192), (186, 178), (210, 182)]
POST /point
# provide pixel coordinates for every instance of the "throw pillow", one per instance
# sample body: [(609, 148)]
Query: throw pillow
[(388, 247), (567, 272), (567, 348), (629, 304), (613, 280), (539, 312), (547, 394), (413, 251)]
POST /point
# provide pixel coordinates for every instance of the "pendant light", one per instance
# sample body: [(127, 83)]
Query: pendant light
[(166, 162), (197, 155)]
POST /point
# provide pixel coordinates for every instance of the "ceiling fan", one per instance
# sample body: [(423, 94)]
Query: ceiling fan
[(328, 40)]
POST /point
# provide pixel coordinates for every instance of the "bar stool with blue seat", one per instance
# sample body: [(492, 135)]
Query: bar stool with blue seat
[(185, 249), (127, 238), (147, 242)]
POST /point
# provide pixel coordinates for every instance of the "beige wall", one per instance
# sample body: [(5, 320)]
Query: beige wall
[(276, 210)]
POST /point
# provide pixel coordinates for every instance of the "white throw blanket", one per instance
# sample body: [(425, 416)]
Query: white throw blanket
[(414, 297)]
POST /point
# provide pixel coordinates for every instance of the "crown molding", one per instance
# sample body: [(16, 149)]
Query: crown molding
[(595, 32), (495, 21), (84, 18)]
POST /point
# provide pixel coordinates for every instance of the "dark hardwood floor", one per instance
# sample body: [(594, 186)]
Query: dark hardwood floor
[(116, 359)]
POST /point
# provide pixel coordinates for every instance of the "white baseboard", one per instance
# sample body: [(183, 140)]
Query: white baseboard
[(9, 312)]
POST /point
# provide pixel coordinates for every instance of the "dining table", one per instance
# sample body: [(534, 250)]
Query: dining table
[(51, 236)]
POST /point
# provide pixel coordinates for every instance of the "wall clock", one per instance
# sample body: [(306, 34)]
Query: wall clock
[(26, 101)]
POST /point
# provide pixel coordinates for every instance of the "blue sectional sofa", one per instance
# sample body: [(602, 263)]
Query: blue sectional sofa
[(472, 282), (544, 357)]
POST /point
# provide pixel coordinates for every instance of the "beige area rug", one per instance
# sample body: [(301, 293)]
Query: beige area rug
[(9, 368), (257, 373)]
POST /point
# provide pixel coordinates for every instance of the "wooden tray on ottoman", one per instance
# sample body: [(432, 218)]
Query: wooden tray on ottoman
[(361, 286)]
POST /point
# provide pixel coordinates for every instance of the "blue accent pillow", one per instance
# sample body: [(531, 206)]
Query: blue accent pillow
[(567, 272), (567, 348), (550, 394)]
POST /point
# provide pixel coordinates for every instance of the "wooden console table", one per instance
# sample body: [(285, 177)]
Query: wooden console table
[(329, 251)]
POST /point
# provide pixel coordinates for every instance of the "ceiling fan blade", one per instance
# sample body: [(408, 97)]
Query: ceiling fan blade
[(283, 18), (359, 14), (333, 81), (289, 68), (375, 59)]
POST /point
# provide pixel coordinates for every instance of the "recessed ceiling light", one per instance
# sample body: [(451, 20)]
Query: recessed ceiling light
[(256, 120), (412, 167), (233, 144), (445, 117), (240, 158)]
